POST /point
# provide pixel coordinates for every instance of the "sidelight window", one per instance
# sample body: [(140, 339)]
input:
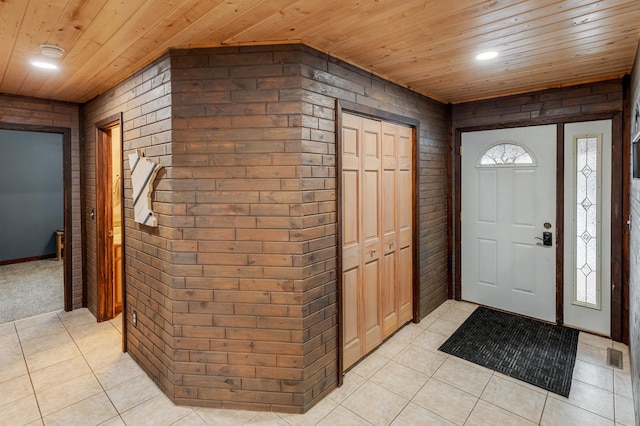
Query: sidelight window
[(587, 191)]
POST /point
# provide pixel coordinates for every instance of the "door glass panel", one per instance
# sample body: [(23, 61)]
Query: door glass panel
[(506, 154), (587, 289)]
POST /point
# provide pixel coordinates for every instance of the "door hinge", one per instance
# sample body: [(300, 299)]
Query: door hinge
[(460, 151), (629, 222)]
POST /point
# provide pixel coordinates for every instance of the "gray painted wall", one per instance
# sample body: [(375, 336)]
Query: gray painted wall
[(31, 193)]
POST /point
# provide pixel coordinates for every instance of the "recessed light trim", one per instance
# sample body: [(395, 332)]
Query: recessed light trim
[(44, 65), (51, 51), (487, 55)]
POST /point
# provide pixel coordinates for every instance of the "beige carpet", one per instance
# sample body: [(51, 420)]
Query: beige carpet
[(31, 288)]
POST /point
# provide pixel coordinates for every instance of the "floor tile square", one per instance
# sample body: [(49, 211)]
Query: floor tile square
[(444, 327), (57, 397), (59, 373), (399, 379), (414, 414), (15, 389), (106, 339), (431, 341), (560, 413), (115, 421), (594, 375), (391, 348), (622, 384), (20, 412), (590, 398), (375, 404), (313, 416), (592, 354), (351, 382), (368, 366), (486, 414), (133, 392), (267, 419), (90, 411), (158, 411), (120, 371), (463, 376), (624, 411), (12, 366), (420, 360), (49, 357), (193, 419), (213, 416), (43, 343), (446, 401), (343, 417), (520, 400), (597, 341)]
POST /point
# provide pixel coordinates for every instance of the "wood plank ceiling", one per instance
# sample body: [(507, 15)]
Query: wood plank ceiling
[(426, 45)]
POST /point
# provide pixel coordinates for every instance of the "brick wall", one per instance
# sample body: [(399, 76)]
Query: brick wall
[(544, 107), (254, 175), (634, 250), (40, 112), (145, 101), (236, 289)]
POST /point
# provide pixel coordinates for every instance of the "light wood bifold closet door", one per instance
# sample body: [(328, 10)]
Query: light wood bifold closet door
[(377, 269)]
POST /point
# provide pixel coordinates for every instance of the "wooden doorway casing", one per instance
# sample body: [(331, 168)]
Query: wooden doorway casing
[(376, 114), (106, 271), (67, 200)]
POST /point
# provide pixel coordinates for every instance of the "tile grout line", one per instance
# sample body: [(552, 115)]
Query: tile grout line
[(24, 359), (92, 372)]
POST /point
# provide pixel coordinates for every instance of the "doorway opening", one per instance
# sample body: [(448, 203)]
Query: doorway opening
[(109, 219), (35, 190)]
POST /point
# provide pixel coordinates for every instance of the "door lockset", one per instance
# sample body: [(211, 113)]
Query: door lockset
[(547, 239)]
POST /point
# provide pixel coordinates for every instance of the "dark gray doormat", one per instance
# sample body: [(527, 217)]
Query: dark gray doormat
[(532, 351)]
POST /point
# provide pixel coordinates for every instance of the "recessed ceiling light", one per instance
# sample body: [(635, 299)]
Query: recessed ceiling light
[(44, 65), (51, 51), (486, 55)]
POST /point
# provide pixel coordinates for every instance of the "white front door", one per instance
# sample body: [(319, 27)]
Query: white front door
[(508, 202), (587, 231)]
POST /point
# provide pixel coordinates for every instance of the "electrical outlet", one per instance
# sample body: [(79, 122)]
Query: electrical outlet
[(135, 319)]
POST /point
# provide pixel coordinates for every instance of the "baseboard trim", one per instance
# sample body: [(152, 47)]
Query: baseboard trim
[(27, 259)]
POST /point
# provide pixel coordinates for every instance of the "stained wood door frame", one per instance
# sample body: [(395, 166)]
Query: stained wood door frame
[(67, 200), (619, 186), (376, 114), (104, 213)]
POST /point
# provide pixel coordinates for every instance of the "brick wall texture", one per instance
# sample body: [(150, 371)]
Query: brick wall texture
[(236, 290), (41, 112), (634, 250), (144, 99)]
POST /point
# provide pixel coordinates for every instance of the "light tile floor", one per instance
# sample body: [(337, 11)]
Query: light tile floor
[(66, 369)]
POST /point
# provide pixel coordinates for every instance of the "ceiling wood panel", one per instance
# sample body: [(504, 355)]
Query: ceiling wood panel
[(428, 46)]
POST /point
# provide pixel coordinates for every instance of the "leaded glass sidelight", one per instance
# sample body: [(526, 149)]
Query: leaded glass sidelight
[(506, 154), (587, 290)]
